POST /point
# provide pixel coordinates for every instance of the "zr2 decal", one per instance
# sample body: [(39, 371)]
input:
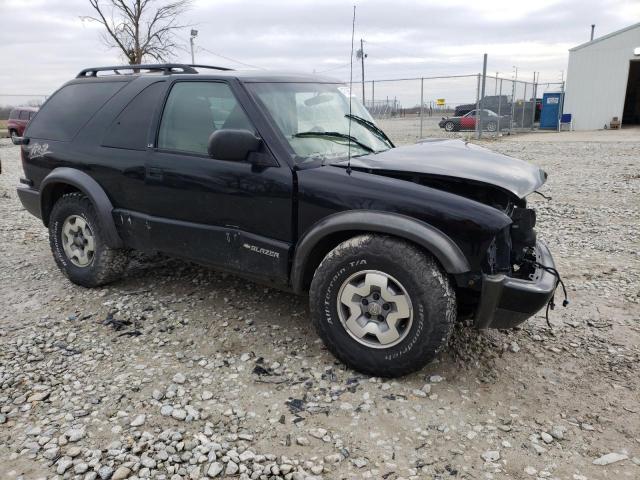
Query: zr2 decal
[(38, 150)]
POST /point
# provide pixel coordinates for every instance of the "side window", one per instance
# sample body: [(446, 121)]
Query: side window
[(130, 128), (194, 110), (66, 112), (31, 115), (24, 115), (14, 114)]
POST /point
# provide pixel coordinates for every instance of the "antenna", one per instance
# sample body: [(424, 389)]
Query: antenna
[(353, 30)]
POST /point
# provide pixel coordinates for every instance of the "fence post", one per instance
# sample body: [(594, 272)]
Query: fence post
[(499, 105), (373, 94), (421, 105), (477, 105), (535, 103), (484, 83), (524, 103)]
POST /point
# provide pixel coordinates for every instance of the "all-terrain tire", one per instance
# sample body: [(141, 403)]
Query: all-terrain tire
[(432, 300), (106, 265)]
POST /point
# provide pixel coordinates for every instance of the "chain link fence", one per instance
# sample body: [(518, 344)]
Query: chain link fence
[(447, 106), (414, 108)]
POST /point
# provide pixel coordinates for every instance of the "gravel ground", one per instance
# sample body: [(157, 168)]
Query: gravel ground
[(179, 372)]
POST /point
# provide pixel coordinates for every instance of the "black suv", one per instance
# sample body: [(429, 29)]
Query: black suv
[(287, 180)]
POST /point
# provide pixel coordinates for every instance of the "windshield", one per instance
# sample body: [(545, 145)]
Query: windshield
[(314, 118)]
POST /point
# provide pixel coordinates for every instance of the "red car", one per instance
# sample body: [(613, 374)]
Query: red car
[(18, 120)]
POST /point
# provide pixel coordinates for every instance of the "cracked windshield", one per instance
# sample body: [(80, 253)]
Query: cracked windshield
[(314, 118)]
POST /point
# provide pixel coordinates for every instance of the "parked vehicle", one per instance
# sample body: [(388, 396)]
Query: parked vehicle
[(495, 103), (18, 119), (490, 121), (287, 180)]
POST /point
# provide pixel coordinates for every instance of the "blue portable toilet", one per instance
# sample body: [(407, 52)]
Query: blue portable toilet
[(551, 105)]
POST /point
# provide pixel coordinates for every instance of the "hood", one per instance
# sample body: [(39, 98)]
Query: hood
[(457, 159)]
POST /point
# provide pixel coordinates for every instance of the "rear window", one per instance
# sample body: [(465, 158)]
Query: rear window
[(130, 129), (14, 114), (64, 114), (24, 115)]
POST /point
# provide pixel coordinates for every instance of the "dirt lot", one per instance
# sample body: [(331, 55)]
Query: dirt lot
[(177, 371)]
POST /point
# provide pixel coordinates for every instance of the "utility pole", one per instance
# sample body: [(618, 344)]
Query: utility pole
[(360, 53), (194, 34), (495, 91)]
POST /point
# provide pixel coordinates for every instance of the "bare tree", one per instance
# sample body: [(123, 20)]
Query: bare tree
[(140, 28)]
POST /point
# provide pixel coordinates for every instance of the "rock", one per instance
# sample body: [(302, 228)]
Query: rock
[(138, 421), (359, 462), (514, 347), (546, 438), (105, 472), (206, 395), (530, 471), (63, 465), (215, 469), (166, 410), (121, 473), (610, 458), (303, 441), (179, 378), (436, 379), (491, 456), (318, 432), (317, 469), (147, 462), (179, 414), (75, 434), (80, 468), (232, 468)]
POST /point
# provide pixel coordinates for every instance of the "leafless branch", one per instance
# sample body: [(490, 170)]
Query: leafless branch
[(139, 28)]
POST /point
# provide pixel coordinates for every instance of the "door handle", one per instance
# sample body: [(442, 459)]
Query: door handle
[(155, 173)]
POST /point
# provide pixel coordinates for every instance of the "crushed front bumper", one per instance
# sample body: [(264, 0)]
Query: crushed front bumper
[(507, 301)]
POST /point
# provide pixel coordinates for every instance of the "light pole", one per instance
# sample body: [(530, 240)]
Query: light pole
[(194, 34)]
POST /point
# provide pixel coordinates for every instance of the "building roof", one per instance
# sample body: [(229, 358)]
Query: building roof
[(605, 37)]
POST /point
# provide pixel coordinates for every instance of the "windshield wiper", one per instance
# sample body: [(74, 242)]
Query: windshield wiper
[(372, 127), (335, 135)]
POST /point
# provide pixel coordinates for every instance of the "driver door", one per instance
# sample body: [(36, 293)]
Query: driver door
[(231, 214)]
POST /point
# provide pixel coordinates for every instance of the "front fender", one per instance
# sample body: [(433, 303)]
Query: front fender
[(430, 238), (88, 186)]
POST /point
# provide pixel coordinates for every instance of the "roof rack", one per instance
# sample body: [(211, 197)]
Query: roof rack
[(165, 68)]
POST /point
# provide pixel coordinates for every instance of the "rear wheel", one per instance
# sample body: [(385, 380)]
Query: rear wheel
[(381, 305), (492, 127), (77, 243), (13, 134)]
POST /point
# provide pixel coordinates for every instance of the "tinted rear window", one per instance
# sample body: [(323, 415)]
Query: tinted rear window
[(64, 114), (129, 130)]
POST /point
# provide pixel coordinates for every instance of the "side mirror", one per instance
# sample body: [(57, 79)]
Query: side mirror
[(19, 140), (233, 145)]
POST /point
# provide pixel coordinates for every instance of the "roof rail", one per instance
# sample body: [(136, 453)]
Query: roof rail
[(165, 68)]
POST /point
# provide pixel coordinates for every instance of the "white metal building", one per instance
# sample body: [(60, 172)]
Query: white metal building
[(603, 80)]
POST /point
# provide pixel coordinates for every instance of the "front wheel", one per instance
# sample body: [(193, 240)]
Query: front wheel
[(449, 127), (381, 305), (492, 127), (13, 134), (77, 243)]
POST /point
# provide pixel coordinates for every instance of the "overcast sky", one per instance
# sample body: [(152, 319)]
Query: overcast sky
[(43, 43)]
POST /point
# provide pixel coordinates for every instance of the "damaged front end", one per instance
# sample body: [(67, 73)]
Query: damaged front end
[(519, 278)]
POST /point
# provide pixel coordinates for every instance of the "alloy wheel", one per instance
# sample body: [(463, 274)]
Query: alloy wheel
[(375, 309), (78, 241)]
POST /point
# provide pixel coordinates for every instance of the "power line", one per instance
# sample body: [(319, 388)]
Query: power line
[(334, 68), (230, 59)]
